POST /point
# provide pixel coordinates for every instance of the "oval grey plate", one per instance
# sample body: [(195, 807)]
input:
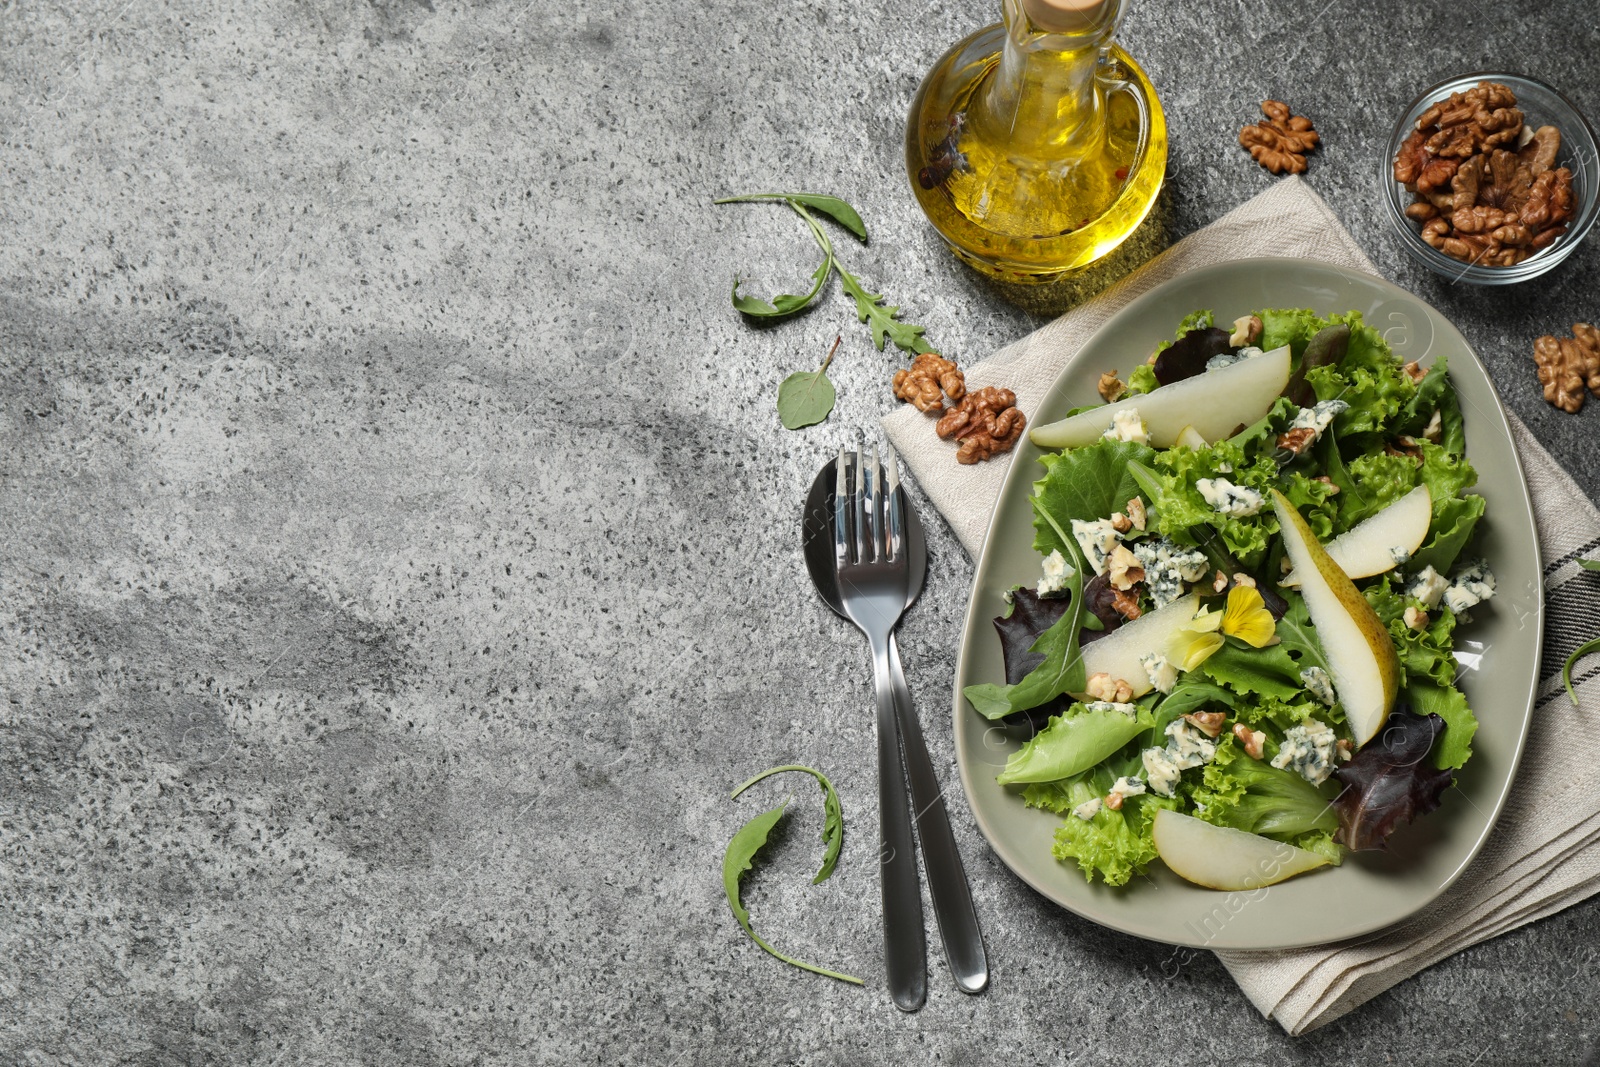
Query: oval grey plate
[(1500, 648)]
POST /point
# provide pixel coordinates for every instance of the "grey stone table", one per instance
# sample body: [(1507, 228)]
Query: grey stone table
[(399, 549)]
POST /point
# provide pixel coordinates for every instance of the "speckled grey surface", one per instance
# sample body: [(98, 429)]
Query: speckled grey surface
[(399, 560)]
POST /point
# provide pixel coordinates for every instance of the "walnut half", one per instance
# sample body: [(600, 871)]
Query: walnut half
[(986, 422)]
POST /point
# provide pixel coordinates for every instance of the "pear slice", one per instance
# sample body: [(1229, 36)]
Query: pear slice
[(1117, 653), (1189, 437), (1360, 652), (1368, 548), (1213, 404), (1220, 857)]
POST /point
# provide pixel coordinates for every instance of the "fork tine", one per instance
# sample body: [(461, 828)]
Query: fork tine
[(841, 506), (892, 505), (858, 506), (876, 509)]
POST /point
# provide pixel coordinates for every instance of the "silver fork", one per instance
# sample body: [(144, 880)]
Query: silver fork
[(874, 574)]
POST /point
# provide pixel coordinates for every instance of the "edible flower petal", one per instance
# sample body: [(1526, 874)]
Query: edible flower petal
[(1191, 647), (1206, 621), (1247, 618)]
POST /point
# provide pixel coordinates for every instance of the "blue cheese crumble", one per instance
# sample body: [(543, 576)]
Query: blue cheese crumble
[(1097, 539), (1228, 359), (1309, 750), (1126, 425), (1188, 745), (1057, 571), (1126, 787), (1473, 584), (1129, 710), (1162, 674), (1319, 417), (1317, 682), (1226, 498), (1400, 555), (1428, 586), (1088, 809), (1167, 567), (1161, 770)]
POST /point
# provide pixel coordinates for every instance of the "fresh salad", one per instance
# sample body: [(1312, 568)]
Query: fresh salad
[(1238, 654)]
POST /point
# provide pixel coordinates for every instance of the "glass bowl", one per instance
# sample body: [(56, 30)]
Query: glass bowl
[(1541, 106)]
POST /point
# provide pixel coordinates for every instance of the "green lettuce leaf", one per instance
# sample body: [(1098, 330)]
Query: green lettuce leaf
[(1435, 393), (1287, 326), (1378, 480), (1267, 672), (1454, 746), (1143, 379), (1085, 483), (1250, 795), (1444, 474), (1072, 743), (1425, 654), (1453, 524), (1116, 845)]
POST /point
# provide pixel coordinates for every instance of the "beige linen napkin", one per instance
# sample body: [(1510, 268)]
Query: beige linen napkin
[(1542, 855)]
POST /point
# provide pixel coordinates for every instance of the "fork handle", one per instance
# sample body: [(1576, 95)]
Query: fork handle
[(904, 940), (947, 879)]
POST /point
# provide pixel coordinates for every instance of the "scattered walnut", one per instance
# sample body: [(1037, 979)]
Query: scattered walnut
[(1435, 428), (1416, 618), (1121, 523), (1246, 331), (1333, 488), (921, 385), (1407, 447), (986, 422), (1486, 189), (1252, 740), (1104, 687), (1221, 581), (1126, 604), (1241, 578), (1114, 801), (1281, 141), (1122, 568), (1567, 364), (1136, 512), (1414, 371), (1207, 722), (1297, 441), (1343, 745), (1111, 387)]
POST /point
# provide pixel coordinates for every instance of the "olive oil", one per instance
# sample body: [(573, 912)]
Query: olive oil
[(1037, 146)]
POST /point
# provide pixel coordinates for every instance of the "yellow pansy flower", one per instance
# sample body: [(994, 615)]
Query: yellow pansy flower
[(1247, 618), (1190, 648)]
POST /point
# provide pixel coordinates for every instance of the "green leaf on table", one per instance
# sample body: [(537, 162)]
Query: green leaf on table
[(788, 303), (881, 317), (1578, 653), (833, 814), (1589, 564), (806, 397), (739, 858), (831, 206)]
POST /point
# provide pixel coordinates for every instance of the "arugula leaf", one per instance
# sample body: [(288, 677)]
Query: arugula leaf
[(1071, 744), (1192, 693), (871, 309), (832, 206), (1592, 645), (806, 397), (833, 814), (1460, 725), (1589, 564), (1435, 393), (1061, 670), (739, 858), (1298, 635), (788, 303)]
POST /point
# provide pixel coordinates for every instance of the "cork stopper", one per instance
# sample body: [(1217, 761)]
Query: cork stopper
[(1067, 16)]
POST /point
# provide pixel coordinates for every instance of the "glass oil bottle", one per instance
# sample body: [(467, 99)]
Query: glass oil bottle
[(1036, 146)]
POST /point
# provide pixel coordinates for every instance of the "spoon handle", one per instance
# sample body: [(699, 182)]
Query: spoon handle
[(947, 879)]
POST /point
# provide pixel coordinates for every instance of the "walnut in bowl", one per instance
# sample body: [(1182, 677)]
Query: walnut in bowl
[(1490, 178)]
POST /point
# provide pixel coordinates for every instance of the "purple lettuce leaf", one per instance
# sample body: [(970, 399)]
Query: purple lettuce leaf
[(1390, 782)]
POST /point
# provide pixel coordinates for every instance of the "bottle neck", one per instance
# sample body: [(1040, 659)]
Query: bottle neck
[(1042, 98)]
